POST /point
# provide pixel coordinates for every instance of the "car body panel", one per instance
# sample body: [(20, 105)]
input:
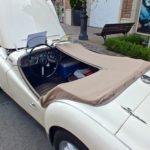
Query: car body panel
[(136, 131), (135, 134), (22, 94), (91, 133), (111, 115), (13, 84), (21, 18), (4, 67), (143, 110), (134, 95)]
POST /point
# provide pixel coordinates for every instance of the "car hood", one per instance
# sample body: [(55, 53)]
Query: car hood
[(20, 18), (114, 115)]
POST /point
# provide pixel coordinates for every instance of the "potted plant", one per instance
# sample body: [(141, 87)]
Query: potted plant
[(76, 6)]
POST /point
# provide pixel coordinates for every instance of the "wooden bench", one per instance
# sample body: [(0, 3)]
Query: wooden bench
[(117, 28)]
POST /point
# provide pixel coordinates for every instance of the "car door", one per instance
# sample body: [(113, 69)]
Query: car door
[(22, 94)]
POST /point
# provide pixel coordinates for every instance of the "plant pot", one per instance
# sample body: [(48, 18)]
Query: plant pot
[(76, 17)]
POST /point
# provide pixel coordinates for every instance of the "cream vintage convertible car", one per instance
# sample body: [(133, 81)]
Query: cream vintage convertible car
[(84, 100)]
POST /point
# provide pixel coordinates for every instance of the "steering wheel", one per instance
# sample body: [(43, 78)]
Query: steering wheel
[(47, 64)]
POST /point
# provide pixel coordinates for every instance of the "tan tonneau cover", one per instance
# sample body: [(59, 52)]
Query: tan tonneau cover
[(114, 76)]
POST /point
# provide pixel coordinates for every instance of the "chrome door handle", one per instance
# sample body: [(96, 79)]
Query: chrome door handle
[(32, 105)]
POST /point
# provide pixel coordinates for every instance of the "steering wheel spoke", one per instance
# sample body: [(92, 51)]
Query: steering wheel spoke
[(42, 70)]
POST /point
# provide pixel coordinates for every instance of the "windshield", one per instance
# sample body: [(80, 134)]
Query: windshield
[(20, 18)]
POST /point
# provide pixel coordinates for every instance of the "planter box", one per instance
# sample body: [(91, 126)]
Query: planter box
[(76, 17)]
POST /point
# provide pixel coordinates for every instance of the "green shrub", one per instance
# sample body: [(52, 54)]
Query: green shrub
[(133, 38), (127, 48)]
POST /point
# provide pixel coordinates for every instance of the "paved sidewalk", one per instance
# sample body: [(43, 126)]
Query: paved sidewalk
[(94, 43)]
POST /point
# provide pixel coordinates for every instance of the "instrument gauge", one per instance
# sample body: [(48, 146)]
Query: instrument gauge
[(33, 60), (51, 56)]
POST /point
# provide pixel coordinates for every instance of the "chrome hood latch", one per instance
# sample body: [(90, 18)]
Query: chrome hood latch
[(145, 79), (128, 110)]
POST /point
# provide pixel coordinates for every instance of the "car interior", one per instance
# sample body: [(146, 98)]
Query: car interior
[(47, 67)]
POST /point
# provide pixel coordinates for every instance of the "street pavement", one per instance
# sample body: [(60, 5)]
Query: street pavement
[(18, 131)]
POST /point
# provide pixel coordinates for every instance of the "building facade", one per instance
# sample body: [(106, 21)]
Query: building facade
[(101, 12), (113, 11)]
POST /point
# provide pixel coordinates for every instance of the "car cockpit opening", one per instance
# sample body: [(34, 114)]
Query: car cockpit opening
[(45, 67)]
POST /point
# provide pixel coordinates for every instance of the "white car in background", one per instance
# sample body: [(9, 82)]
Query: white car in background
[(84, 100)]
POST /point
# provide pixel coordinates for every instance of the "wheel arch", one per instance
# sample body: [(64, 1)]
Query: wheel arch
[(58, 134), (58, 116), (52, 132)]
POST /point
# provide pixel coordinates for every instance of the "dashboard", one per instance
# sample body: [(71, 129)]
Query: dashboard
[(42, 56)]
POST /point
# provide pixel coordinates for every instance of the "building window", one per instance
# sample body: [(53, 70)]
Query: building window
[(126, 9)]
